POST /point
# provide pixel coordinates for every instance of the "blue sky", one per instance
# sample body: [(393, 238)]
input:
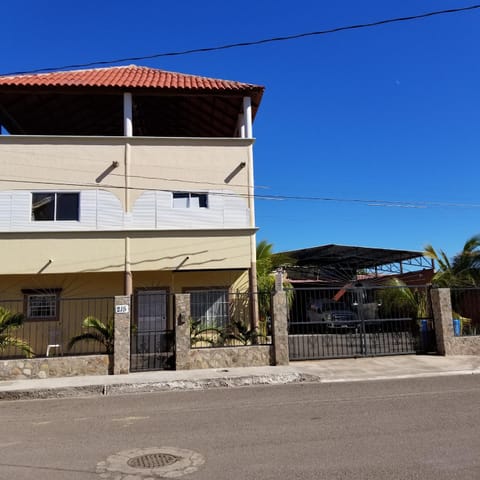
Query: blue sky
[(390, 113)]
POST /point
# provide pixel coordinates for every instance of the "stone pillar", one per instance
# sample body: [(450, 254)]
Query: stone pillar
[(182, 331), (442, 315), (121, 355), (280, 328)]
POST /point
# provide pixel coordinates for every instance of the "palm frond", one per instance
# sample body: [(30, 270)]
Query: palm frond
[(102, 333), (9, 320), (7, 341)]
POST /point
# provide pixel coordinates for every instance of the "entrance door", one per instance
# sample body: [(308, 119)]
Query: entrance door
[(152, 345)]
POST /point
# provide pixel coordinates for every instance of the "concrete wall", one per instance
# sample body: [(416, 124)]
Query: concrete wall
[(54, 367), (447, 342)]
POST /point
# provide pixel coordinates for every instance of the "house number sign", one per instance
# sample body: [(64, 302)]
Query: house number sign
[(121, 309)]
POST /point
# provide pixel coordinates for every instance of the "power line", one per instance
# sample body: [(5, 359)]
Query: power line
[(254, 42), (360, 201), (143, 177)]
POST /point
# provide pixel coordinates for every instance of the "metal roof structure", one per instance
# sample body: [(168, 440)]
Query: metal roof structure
[(341, 262)]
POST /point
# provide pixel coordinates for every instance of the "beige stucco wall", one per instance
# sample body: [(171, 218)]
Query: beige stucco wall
[(29, 253), (111, 284), (50, 163), (72, 285), (178, 282), (36, 163)]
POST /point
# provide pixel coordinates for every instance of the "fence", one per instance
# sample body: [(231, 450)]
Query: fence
[(360, 321), (465, 311), (51, 335), (222, 319)]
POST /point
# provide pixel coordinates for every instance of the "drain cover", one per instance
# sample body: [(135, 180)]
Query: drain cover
[(150, 463), (153, 460)]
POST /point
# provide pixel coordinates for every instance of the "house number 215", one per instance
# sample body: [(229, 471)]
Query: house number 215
[(121, 309)]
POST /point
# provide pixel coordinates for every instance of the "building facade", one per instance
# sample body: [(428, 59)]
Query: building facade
[(125, 180)]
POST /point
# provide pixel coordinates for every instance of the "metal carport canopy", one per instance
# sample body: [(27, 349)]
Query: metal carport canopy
[(350, 257)]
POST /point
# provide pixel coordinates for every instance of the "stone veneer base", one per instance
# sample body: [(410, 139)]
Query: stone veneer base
[(25, 368), (224, 357)]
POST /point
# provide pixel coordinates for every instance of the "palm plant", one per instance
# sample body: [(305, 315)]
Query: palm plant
[(202, 334), (464, 268), (99, 332), (10, 321), (267, 262), (237, 331), (399, 298)]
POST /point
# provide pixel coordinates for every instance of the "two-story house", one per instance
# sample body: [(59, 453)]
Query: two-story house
[(125, 180)]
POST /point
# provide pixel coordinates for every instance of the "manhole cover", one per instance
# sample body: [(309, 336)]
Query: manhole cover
[(150, 463), (154, 460)]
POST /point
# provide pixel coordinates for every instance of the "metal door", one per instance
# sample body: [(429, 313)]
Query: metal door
[(152, 346)]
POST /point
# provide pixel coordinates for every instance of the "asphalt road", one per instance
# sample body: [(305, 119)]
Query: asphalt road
[(404, 429)]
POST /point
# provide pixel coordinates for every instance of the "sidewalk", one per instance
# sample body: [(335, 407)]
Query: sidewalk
[(322, 371)]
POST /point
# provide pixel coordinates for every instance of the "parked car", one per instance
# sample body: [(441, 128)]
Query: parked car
[(331, 315)]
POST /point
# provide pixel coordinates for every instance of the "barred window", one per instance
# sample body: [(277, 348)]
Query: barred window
[(41, 305), (210, 307)]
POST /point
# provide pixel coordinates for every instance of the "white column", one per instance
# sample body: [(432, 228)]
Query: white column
[(241, 125), (247, 114), (247, 132), (127, 115), (127, 132)]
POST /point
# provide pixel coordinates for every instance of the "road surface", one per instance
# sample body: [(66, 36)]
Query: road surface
[(404, 429)]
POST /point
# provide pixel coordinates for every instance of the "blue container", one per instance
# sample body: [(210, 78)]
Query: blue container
[(457, 327), (424, 334)]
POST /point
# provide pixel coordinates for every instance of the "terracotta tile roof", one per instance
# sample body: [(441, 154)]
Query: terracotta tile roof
[(132, 77)]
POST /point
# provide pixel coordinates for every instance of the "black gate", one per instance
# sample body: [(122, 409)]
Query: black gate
[(152, 341), (359, 321)]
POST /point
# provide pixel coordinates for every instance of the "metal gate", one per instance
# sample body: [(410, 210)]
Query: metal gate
[(152, 342), (359, 321)]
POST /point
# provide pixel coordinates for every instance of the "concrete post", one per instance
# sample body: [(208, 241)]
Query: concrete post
[(122, 315), (280, 328), (182, 330), (442, 315)]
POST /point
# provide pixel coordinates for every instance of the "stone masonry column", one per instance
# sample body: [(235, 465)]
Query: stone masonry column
[(442, 315), (280, 328), (182, 331), (121, 355)]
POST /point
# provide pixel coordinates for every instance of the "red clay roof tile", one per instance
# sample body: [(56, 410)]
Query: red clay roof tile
[(131, 76)]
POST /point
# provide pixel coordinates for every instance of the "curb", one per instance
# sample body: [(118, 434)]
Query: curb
[(207, 383), (174, 385)]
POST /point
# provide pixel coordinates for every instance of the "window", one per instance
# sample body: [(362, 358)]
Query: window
[(210, 307), (190, 200), (55, 206), (41, 305)]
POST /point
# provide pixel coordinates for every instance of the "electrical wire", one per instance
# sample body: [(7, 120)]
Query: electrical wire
[(143, 177), (252, 43), (362, 201)]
